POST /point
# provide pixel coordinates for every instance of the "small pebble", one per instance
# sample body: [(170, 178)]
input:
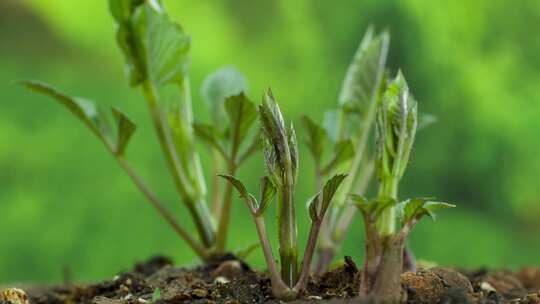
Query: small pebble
[(14, 296), (222, 280), (486, 287), (201, 293), (228, 269)]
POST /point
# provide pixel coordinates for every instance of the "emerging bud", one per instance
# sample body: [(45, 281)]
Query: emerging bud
[(280, 146), (396, 128)]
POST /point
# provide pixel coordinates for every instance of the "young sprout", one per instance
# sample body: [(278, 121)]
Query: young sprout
[(349, 129), (156, 52), (281, 158), (387, 221)]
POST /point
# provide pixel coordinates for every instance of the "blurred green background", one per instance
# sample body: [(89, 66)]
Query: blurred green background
[(64, 203)]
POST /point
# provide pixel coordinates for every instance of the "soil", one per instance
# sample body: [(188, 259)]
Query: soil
[(228, 280)]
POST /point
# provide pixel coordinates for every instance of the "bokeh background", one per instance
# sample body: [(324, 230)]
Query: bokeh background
[(64, 203)]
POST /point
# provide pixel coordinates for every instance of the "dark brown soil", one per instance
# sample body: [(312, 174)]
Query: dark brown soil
[(231, 281)]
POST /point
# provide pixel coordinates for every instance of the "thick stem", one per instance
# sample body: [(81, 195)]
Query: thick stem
[(152, 198), (387, 287), (200, 214), (287, 236), (387, 220), (372, 258), (409, 261)]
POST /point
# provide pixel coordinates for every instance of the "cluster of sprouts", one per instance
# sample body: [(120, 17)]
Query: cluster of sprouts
[(370, 133)]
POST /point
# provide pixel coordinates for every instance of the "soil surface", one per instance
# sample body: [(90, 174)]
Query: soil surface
[(229, 280)]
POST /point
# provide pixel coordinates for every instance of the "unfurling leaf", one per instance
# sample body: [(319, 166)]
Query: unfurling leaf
[(155, 48), (251, 201), (330, 189), (241, 113), (318, 205), (282, 166), (125, 129), (414, 209), (396, 128), (220, 85), (268, 192), (316, 138), (363, 78), (95, 119), (343, 151)]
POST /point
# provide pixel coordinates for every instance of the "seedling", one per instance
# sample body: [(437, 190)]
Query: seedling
[(156, 52), (387, 221), (347, 131), (281, 158)]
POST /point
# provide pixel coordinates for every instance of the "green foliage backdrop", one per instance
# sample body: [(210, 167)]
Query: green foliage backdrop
[(64, 204)]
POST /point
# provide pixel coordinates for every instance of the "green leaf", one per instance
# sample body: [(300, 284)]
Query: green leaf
[(365, 206), (330, 189), (242, 113), (430, 208), (316, 138), (155, 48), (125, 129), (414, 209), (94, 118), (318, 206), (251, 201), (83, 109), (218, 86), (210, 135), (372, 209), (314, 207), (268, 192), (363, 78), (343, 151)]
